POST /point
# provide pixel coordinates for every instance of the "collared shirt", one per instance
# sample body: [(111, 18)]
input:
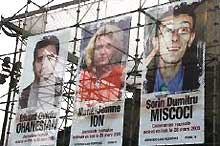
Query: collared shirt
[(173, 85)]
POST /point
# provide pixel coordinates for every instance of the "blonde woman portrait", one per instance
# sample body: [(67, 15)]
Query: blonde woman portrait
[(103, 78)]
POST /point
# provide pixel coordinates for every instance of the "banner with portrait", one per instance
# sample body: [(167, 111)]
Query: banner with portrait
[(36, 120), (99, 102), (172, 98)]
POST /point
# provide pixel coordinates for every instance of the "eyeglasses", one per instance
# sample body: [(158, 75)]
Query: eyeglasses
[(180, 31)]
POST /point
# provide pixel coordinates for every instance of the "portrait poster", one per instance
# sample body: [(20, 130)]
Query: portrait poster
[(36, 120), (172, 97), (99, 103)]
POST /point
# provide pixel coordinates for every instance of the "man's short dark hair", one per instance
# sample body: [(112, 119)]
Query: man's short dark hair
[(183, 8), (47, 40)]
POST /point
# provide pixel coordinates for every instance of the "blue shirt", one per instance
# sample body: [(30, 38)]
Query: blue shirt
[(173, 85)]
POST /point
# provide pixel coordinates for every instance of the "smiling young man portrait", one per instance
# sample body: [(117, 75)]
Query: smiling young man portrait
[(172, 64)]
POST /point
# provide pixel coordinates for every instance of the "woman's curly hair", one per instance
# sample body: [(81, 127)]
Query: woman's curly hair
[(115, 34)]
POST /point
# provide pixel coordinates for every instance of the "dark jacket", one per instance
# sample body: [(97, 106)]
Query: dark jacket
[(24, 96)]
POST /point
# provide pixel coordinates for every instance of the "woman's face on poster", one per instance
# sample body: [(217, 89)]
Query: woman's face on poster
[(103, 51)]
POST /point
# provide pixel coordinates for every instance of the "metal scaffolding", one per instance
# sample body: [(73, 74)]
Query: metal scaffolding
[(17, 24)]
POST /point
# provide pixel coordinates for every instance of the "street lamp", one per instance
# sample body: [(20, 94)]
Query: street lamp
[(6, 69)]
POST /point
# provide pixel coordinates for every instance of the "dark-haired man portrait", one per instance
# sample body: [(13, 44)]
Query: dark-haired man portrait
[(172, 63), (46, 86)]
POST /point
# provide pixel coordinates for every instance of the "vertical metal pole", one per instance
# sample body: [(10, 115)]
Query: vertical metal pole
[(98, 10), (6, 117), (214, 88), (71, 72), (136, 63), (214, 104), (13, 97)]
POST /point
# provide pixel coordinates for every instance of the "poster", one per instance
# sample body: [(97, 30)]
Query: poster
[(98, 125), (36, 120), (99, 103), (172, 98)]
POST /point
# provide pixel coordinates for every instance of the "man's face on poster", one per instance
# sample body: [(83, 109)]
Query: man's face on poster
[(175, 36), (45, 62), (104, 51)]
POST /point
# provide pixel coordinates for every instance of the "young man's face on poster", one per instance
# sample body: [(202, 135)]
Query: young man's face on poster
[(44, 64), (104, 50), (175, 36)]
